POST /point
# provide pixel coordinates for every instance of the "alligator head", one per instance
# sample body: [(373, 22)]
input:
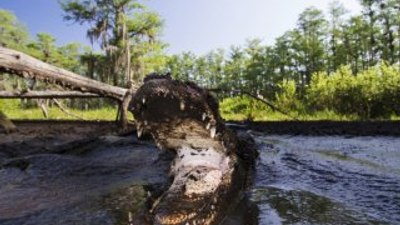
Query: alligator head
[(184, 118)]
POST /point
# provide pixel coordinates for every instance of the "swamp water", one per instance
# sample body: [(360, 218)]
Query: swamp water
[(297, 180)]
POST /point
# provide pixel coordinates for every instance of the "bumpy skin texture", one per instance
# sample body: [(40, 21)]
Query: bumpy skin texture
[(207, 173)]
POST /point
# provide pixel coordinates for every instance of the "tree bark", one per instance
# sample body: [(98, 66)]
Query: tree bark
[(18, 63)]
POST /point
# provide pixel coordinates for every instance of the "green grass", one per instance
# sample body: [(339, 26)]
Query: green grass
[(13, 110), (228, 110), (269, 115)]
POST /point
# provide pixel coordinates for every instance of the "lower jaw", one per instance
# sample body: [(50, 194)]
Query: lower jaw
[(201, 201)]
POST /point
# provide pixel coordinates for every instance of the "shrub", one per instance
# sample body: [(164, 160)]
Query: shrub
[(373, 93)]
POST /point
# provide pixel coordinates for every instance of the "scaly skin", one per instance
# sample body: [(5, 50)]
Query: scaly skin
[(208, 174)]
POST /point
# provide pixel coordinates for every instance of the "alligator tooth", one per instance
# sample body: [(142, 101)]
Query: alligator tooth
[(145, 122), (213, 131), (208, 126), (182, 105), (159, 146), (139, 129), (204, 116), (144, 100), (139, 132), (25, 74)]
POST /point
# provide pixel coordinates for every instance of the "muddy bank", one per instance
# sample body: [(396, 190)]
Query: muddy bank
[(76, 173), (315, 128), (354, 128)]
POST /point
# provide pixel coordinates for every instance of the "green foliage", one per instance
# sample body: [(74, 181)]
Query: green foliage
[(287, 98), (243, 108), (13, 110), (373, 93), (125, 30), (12, 33)]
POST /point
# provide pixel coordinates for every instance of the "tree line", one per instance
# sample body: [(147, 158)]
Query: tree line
[(337, 45), (319, 43), (287, 71)]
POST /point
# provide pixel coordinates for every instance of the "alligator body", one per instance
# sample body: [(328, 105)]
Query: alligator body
[(211, 164)]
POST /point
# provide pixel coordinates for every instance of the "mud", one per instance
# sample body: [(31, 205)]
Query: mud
[(76, 173), (90, 173), (317, 128)]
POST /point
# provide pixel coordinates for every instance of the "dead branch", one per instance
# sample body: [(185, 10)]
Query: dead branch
[(63, 109)]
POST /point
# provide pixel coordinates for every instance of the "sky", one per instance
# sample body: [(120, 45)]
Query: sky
[(198, 26)]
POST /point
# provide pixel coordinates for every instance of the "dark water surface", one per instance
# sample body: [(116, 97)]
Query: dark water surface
[(298, 180), (327, 180)]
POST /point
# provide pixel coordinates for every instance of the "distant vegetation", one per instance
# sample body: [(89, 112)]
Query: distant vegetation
[(331, 66)]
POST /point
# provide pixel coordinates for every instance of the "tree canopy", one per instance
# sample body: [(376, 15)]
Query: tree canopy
[(120, 26)]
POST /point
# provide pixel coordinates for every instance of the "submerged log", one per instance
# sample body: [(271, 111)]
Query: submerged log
[(210, 169)]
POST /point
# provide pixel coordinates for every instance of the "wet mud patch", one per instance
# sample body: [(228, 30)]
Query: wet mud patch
[(77, 178)]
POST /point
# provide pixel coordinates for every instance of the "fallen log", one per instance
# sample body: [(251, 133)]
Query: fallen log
[(25, 66), (46, 94), (18, 63)]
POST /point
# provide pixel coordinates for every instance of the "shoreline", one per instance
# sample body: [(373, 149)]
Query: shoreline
[(312, 128)]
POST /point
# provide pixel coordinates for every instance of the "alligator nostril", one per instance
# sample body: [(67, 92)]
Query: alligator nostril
[(191, 177)]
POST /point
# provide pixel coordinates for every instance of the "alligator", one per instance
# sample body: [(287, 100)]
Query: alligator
[(211, 166), (212, 163)]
